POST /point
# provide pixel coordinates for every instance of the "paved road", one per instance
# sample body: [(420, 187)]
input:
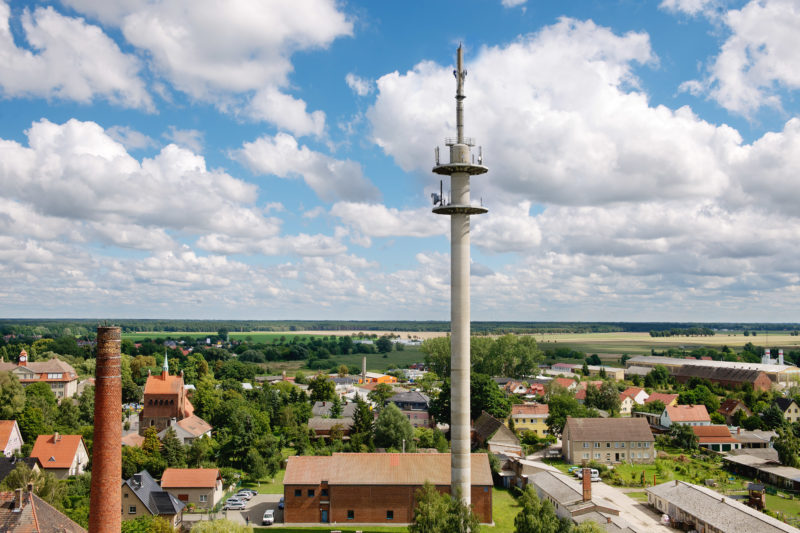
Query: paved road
[(255, 509)]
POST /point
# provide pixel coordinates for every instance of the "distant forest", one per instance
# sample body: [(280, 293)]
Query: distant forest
[(87, 327)]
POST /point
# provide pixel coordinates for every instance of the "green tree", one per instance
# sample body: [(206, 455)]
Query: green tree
[(537, 516), (322, 389), (392, 428), (683, 437), (485, 395), (656, 406), (384, 344), (220, 526), (172, 449), (381, 394), (437, 513), (585, 368), (40, 395), (437, 355), (12, 396), (607, 398), (147, 524), (336, 407), (787, 444), (562, 404), (594, 360), (772, 417), (363, 425), (45, 484), (589, 526)]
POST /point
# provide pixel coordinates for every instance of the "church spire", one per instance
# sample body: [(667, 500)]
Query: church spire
[(165, 368)]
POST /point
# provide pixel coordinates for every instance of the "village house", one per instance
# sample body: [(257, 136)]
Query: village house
[(59, 375), (323, 409), (607, 440), (375, 377), (666, 399), (702, 509), (23, 511), (530, 417), (322, 427), (188, 429), (727, 377), (141, 496), (62, 455), (490, 433), (716, 438), (373, 488), (688, 415), (637, 394), (728, 408), (791, 412), (10, 437), (199, 486), (626, 404), (568, 383)]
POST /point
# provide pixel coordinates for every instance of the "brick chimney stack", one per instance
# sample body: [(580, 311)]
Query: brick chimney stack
[(587, 484), (106, 496)]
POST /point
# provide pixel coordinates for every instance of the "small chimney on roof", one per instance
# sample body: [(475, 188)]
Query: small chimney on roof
[(56, 437), (587, 484), (17, 506)]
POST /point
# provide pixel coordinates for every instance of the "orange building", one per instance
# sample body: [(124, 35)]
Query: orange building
[(374, 377), (164, 400)]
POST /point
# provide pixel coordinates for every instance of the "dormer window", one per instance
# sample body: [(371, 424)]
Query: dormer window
[(52, 459)]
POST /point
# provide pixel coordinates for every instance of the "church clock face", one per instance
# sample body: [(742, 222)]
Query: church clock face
[(23, 358)]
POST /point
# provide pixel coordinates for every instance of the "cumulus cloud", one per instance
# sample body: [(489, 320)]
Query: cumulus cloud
[(331, 179), (68, 59), (130, 138), (238, 57), (358, 85), (757, 60), (377, 220), (690, 7), (189, 139), (513, 3), (77, 171)]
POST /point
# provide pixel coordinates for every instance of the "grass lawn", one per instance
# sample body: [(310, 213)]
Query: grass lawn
[(791, 508), (504, 509), (267, 486)]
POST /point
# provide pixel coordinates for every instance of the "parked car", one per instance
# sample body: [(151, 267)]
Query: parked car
[(594, 473), (243, 495), (234, 505), (280, 503), (269, 518)]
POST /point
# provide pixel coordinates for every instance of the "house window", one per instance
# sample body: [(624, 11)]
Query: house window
[(597, 456), (585, 444), (638, 444), (351, 514), (596, 444), (132, 509), (622, 445), (203, 498), (616, 445), (310, 493), (323, 492), (646, 445), (125, 495), (586, 456), (298, 492), (646, 455), (622, 455), (389, 515)]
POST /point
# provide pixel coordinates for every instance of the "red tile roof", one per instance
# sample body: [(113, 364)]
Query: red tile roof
[(380, 469), (688, 413), (565, 382), (713, 434), (530, 409), (6, 428), (632, 391), (52, 453), (163, 384), (180, 478), (35, 516), (728, 406), (666, 399)]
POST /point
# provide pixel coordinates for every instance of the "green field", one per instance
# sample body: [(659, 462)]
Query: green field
[(252, 336)]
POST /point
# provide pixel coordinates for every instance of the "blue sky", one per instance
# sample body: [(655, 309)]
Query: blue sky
[(271, 160)]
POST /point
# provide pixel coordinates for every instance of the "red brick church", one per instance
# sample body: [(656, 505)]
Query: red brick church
[(164, 400)]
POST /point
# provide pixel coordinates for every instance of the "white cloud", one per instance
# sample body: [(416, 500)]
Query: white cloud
[(301, 244), (331, 179), (759, 59), (189, 139), (377, 220), (513, 3), (130, 138), (690, 7), (69, 59), (238, 57), (359, 85), (76, 171), (508, 229)]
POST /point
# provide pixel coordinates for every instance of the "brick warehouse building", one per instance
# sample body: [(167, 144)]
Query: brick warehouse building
[(373, 488)]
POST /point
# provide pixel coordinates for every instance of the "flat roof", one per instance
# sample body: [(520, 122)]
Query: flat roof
[(675, 361)]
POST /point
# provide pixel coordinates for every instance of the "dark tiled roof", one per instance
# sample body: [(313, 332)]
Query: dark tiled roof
[(410, 397), (742, 375), (7, 464), (157, 501), (608, 429), (485, 426), (36, 516), (784, 403)]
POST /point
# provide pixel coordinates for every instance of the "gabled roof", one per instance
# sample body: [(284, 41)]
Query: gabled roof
[(7, 428), (410, 397), (565, 382), (713, 434), (194, 425), (784, 403), (727, 407), (36, 516), (180, 478), (688, 413), (633, 391), (163, 384), (485, 426), (133, 439), (530, 409), (740, 375), (666, 399), (56, 451), (317, 423), (157, 501), (608, 429), (324, 409), (380, 469)]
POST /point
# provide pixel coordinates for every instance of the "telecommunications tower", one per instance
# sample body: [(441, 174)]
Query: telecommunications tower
[(458, 207)]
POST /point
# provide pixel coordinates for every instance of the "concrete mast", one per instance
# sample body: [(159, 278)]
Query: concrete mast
[(459, 208)]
